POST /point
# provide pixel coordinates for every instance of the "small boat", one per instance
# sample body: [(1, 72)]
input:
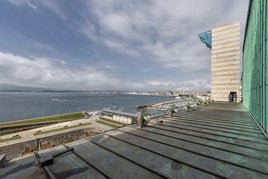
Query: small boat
[(54, 99), (143, 106)]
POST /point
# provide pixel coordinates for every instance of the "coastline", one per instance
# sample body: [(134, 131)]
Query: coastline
[(44, 136), (27, 124), (20, 106)]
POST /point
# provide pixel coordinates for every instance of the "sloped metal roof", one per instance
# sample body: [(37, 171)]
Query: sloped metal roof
[(218, 141)]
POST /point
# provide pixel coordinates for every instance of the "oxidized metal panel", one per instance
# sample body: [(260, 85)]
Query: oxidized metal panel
[(255, 57)]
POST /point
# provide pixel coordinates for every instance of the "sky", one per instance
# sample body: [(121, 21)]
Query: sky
[(145, 45)]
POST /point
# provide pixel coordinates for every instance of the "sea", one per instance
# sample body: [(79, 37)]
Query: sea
[(24, 105)]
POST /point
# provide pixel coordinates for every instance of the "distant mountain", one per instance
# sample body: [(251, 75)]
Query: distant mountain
[(11, 87)]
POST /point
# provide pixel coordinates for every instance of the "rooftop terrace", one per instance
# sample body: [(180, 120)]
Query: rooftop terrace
[(217, 141)]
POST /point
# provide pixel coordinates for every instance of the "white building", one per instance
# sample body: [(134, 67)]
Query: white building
[(119, 116)]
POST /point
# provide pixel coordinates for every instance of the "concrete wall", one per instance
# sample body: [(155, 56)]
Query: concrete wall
[(27, 147), (225, 62)]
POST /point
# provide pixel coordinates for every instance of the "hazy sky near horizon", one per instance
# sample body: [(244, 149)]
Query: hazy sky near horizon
[(110, 44)]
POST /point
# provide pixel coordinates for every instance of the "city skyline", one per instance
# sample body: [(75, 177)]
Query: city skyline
[(113, 45)]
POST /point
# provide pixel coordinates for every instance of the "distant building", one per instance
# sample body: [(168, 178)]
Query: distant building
[(225, 61), (203, 97), (119, 116)]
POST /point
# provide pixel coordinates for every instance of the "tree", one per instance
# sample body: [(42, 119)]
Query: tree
[(172, 110), (142, 118)]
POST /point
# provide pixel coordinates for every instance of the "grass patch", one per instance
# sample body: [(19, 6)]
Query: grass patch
[(63, 117), (110, 124), (63, 128), (15, 137)]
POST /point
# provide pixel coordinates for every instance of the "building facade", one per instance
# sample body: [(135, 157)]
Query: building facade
[(224, 42), (225, 63), (255, 65), (119, 116)]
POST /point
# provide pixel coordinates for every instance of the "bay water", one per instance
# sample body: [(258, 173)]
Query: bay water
[(24, 105)]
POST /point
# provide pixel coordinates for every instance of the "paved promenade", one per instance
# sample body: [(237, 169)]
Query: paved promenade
[(29, 134)]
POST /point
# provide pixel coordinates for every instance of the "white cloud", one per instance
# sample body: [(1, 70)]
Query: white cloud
[(42, 72), (164, 31), (53, 5), (51, 74), (191, 85), (22, 2)]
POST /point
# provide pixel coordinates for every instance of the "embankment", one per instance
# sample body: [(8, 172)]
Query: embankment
[(21, 125), (23, 148)]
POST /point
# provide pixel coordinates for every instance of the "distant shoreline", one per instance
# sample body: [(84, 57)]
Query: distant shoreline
[(96, 92)]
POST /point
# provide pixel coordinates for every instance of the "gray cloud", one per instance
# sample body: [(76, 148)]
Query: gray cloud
[(166, 31), (48, 73), (51, 73), (163, 32)]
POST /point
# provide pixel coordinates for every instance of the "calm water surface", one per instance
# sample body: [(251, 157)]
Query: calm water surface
[(23, 105)]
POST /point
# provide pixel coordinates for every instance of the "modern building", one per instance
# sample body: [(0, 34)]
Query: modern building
[(224, 42), (119, 116), (255, 65), (176, 148)]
